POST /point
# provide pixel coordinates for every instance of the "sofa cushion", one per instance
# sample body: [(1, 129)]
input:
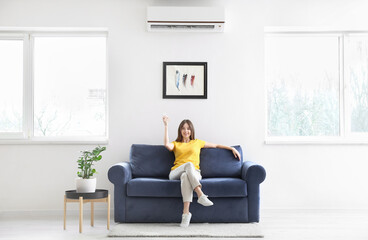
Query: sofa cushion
[(217, 162), (151, 161), (213, 187)]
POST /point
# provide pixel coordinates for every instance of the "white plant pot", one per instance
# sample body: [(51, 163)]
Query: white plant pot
[(85, 185)]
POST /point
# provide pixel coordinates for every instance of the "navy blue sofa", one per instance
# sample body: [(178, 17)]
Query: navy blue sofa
[(143, 192)]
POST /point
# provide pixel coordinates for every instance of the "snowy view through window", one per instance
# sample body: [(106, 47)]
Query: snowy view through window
[(303, 85), (69, 86), (356, 74), (11, 82)]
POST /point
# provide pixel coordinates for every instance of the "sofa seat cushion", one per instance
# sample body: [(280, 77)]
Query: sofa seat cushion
[(213, 187)]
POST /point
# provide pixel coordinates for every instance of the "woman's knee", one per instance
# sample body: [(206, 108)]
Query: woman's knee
[(189, 167)]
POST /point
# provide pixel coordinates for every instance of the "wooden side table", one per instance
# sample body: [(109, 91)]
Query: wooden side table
[(100, 195)]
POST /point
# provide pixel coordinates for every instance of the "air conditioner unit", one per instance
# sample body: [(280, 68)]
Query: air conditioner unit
[(185, 19)]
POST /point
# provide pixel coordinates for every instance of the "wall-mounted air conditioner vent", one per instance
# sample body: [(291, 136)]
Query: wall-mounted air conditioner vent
[(185, 19)]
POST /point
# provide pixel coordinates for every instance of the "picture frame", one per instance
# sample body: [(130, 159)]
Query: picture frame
[(184, 80)]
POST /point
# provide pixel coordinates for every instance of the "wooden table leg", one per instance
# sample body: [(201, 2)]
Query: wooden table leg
[(108, 212), (92, 213), (64, 212), (80, 214)]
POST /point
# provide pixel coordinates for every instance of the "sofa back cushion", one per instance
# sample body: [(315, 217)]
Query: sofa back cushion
[(155, 161), (217, 162), (151, 161)]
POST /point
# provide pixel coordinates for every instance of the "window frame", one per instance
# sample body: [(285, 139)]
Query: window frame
[(28, 35), (345, 136)]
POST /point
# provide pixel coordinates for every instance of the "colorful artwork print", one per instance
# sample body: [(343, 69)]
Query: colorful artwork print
[(177, 80), (179, 76), (185, 81)]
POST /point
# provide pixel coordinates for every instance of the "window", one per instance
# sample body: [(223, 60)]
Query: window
[(317, 87), (356, 75), (66, 70), (58, 91), (11, 92)]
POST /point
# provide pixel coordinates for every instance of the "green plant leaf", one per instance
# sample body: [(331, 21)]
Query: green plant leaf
[(86, 161)]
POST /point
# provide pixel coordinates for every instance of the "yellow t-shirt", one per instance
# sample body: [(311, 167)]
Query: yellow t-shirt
[(187, 152)]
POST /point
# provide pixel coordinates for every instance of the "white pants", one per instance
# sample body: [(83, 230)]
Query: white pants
[(189, 179)]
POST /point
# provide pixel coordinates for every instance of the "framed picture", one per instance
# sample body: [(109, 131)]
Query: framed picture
[(185, 80)]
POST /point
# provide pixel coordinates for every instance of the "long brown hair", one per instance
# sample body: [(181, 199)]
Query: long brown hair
[(191, 127)]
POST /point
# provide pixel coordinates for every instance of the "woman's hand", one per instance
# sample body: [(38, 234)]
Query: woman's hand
[(165, 119), (168, 145), (236, 153)]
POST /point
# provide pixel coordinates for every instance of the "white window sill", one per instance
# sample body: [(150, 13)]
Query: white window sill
[(55, 141), (314, 141)]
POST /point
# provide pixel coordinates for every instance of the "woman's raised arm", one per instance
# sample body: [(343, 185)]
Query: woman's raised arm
[(167, 143)]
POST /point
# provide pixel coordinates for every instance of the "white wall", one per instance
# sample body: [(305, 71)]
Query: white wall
[(34, 177)]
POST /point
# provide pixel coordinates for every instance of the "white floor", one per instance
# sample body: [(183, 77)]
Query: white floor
[(276, 224)]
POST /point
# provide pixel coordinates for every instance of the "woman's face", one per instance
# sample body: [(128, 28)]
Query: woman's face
[(185, 131)]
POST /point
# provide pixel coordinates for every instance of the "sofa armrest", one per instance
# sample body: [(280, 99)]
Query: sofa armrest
[(120, 173), (253, 173)]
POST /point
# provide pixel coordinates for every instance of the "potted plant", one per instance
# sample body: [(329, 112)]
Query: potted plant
[(85, 183)]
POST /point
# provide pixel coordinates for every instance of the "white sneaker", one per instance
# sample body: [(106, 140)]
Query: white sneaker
[(185, 220), (204, 201)]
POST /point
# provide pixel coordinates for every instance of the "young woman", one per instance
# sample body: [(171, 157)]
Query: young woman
[(186, 166)]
